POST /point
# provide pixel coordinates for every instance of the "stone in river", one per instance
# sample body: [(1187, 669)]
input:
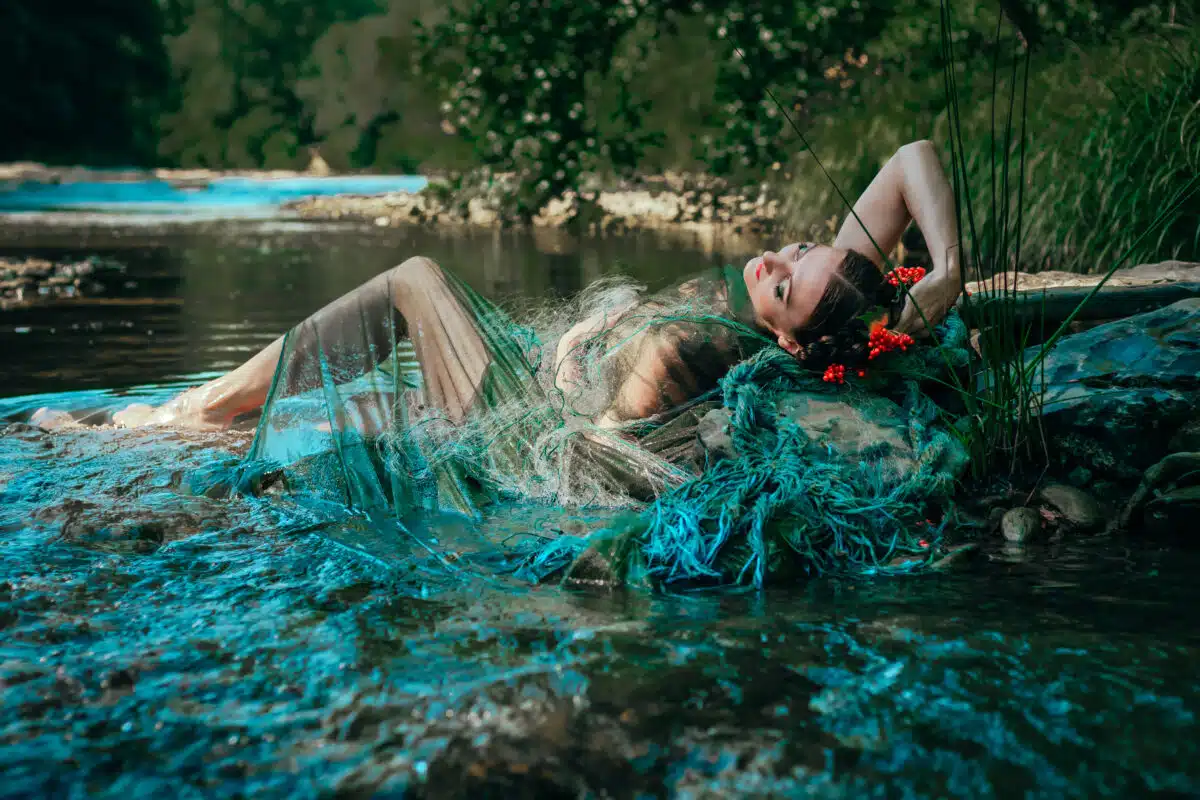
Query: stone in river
[(1021, 524), (1077, 507)]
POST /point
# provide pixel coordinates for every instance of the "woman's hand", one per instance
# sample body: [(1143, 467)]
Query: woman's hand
[(931, 298)]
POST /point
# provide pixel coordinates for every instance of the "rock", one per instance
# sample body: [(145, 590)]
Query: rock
[(1186, 439), (1117, 394), (1141, 275), (868, 426), (857, 427), (713, 433), (1172, 513), (1077, 508), (994, 518), (955, 556), (1021, 524), (26, 281), (1163, 492)]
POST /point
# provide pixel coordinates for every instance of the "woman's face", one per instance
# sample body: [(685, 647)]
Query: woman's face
[(785, 287)]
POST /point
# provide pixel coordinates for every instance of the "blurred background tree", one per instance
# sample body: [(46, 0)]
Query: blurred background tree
[(82, 82)]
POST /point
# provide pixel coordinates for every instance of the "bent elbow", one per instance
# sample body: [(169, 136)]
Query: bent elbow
[(924, 146)]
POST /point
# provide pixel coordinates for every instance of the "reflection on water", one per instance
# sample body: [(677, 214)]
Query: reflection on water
[(157, 641), (199, 298)]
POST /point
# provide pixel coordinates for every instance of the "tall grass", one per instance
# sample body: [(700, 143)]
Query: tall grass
[(1112, 132), (1154, 197), (1132, 192), (1002, 399)]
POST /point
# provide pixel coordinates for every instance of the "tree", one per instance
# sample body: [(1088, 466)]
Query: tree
[(83, 83)]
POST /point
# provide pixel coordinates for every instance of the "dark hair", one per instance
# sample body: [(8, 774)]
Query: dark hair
[(836, 333)]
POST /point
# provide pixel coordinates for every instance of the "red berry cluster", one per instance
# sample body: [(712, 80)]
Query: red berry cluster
[(884, 341), (834, 373), (905, 275)]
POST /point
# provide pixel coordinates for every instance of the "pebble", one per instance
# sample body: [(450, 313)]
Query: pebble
[(1021, 524)]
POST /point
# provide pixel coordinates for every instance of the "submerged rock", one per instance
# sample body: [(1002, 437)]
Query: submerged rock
[(1118, 394)]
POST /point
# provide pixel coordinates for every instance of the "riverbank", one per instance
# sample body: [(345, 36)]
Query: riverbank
[(31, 172), (672, 202)]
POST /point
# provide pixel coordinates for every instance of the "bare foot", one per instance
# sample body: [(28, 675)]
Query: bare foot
[(178, 413), (51, 419), (133, 416)]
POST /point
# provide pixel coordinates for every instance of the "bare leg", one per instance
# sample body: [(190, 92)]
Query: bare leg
[(349, 337)]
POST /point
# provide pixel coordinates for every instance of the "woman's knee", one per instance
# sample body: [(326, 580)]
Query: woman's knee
[(416, 268), (413, 275)]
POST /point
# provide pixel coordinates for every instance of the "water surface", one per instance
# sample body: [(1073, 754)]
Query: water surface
[(156, 641)]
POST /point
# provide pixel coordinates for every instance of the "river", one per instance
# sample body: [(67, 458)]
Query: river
[(158, 643)]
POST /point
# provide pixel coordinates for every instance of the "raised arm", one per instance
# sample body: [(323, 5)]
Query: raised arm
[(912, 186)]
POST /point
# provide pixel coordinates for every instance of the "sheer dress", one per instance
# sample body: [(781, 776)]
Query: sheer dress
[(414, 393)]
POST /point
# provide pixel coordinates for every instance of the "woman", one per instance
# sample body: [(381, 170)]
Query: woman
[(631, 366)]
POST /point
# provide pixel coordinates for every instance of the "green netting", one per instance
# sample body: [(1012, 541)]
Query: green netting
[(785, 506), (416, 395)]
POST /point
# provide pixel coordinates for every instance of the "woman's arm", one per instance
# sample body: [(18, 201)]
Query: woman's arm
[(912, 186), (568, 371), (650, 386)]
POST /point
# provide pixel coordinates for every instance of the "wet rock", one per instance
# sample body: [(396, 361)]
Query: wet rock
[(1021, 524), (713, 433), (1186, 439), (35, 280), (994, 518), (955, 556), (140, 526), (1118, 393), (1167, 500), (1075, 507)]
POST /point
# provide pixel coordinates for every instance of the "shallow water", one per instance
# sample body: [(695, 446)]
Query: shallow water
[(155, 642)]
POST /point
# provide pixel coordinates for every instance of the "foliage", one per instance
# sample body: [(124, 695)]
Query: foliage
[(523, 84), (239, 67), (83, 84), (527, 86), (1111, 175), (1110, 136), (1004, 394)]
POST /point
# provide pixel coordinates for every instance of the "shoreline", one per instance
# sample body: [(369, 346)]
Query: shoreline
[(682, 203), (669, 203)]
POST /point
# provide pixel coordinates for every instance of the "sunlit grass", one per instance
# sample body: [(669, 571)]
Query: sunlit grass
[(1087, 175), (1112, 133)]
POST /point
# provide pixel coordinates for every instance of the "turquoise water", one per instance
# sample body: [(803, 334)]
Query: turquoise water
[(218, 193), (160, 642)]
